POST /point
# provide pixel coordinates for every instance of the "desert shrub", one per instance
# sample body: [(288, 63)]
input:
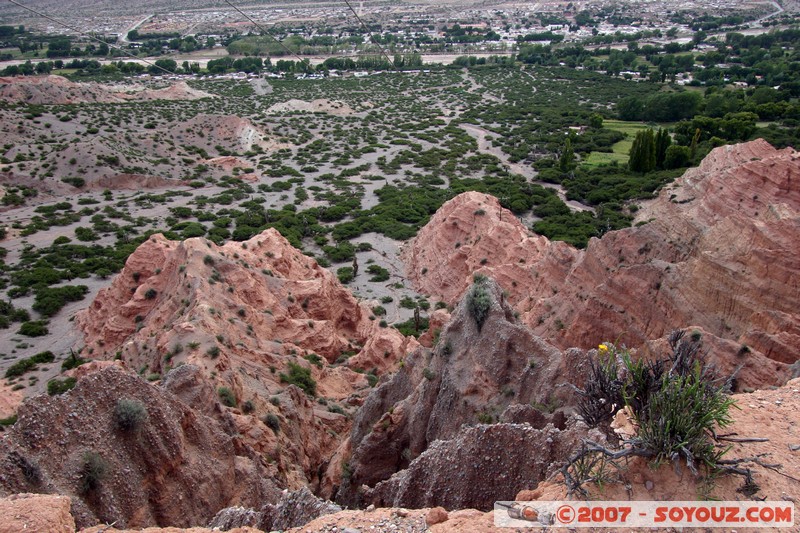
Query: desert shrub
[(50, 300), (273, 422), (93, 469), (29, 363), (9, 314), (74, 181), (60, 386), (409, 327), (345, 274), (301, 377), (314, 359), (248, 407), (677, 403), (86, 234), (681, 415), (129, 414), (479, 301), (37, 328), (372, 378), (333, 408), (378, 273), (150, 293), (226, 396), (485, 418), (8, 422)]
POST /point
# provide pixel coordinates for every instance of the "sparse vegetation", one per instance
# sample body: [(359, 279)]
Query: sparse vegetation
[(273, 422), (301, 377), (677, 404), (60, 386), (93, 470), (226, 397), (129, 414), (479, 301), (30, 363)]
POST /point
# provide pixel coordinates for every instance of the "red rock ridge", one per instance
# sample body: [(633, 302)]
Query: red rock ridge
[(718, 249), (241, 312)]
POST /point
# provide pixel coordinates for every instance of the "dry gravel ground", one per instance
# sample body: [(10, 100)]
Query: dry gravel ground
[(378, 521)]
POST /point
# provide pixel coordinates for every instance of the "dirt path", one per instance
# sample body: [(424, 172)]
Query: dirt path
[(484, 145)]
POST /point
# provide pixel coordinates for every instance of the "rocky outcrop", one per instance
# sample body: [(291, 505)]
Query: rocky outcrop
[(717, 250), (57, 90), (475, 372), (229, 131), (173, 466), (472, 234), (243, 313), (479, 466), (294, 509), (36, 512)]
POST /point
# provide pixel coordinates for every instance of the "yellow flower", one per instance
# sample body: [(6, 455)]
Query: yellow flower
[(602, 348)]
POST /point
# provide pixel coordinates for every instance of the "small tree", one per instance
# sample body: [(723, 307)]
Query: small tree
[(642, 156), (566, 162), (663, 142)]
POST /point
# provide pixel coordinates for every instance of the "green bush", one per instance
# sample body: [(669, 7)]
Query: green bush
[(248, 407), (9, 314), (60, 386), (226, 396), (345, 274), (73, 361), (36, 328), (479, 301), (129, 414), (679, 418), (678, 405), (301, 377), (273, 422), (314, 359), (378, 273), (50, 300), (30, 363), (93, 470), (74, 181)]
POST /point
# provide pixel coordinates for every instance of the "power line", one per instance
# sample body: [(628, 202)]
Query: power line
[(242, 13), (89, 35), (371, 37)]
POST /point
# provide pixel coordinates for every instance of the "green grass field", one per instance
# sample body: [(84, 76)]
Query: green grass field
[(620, 149)]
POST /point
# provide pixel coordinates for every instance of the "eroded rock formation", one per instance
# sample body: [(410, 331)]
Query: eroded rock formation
[(55, 90), (484, 362), (175, 466), (718, 249), (243, 313)]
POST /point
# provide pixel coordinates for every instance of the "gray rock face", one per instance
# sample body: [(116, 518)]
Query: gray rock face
[(233, 517), (295, 509), (481, 465)]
